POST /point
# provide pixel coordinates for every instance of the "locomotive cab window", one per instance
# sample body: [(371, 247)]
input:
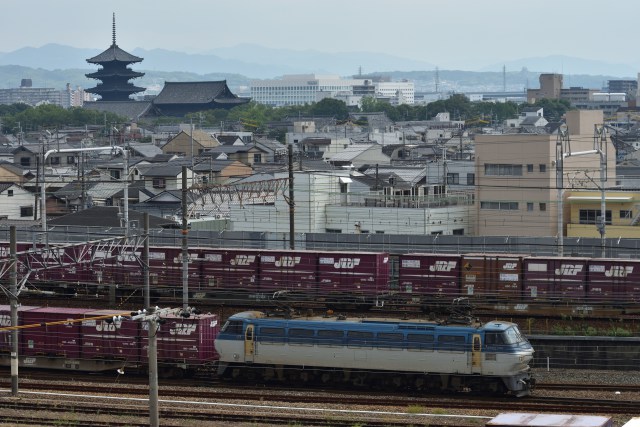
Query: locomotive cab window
[(232, 327), (494, 338)]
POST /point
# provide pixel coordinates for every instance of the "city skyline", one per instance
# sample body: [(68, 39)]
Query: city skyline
[(456, 34)]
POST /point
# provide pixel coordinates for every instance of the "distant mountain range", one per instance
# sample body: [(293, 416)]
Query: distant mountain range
[(54, 65)]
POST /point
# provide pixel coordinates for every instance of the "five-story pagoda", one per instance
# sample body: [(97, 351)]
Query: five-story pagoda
[(115, 74)]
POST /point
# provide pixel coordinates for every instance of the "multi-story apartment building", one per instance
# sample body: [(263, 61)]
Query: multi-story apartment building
[(26, 94), (516, 192)]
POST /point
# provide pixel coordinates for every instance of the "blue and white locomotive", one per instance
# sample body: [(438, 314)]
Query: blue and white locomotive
[(419, 355)]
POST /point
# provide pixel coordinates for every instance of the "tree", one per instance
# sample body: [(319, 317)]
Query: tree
[(330, 107)]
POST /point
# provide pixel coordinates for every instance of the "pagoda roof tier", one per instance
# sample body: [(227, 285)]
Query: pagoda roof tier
[(101, 74), (100, 89), (114, 53)]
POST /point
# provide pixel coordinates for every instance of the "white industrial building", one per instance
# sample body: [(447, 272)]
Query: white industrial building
[(304, 89)]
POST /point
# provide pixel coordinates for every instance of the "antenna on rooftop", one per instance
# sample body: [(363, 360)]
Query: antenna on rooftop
[(114, 28)]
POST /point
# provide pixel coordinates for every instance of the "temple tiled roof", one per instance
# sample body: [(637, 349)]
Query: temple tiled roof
[(196, 93), (133, 110)]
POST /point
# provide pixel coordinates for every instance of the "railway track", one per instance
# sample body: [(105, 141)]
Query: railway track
[(45, 400)]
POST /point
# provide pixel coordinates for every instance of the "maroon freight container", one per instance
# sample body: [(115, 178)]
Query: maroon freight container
[(492, 276), (231, 270), (187, 341), (5, 322), (432, 275), (109, 339), (555, 278), (60, 339), (473, 272), (352, 274), (614, 280), (289, 271)]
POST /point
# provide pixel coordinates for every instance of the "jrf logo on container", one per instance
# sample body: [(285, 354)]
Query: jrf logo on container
[(183, 329), (443, 266), (568, 270), (243, 260)]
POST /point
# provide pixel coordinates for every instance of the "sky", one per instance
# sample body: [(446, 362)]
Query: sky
[(451, 34)]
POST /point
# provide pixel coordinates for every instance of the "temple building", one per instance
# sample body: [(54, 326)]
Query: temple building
[(180, 98), (115, 73)]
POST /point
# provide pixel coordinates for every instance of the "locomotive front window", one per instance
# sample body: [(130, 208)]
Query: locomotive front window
[(513, 336)]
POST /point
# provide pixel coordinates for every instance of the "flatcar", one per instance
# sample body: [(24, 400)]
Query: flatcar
[(490, 358)]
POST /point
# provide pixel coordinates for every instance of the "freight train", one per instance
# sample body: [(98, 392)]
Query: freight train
[(94, 340), (281, 347), (368, 278)]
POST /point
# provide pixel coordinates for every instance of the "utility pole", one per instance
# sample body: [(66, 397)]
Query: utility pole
[(291, 200), (185, 243), (145, 261), (13, 297)]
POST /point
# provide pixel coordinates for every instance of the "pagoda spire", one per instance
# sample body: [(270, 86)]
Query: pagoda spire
[(114, 29)]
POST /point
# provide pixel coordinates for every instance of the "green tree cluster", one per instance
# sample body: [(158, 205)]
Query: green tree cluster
[(18, 117)]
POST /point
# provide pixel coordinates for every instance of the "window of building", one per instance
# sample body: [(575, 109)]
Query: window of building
[(591, 216), (626, 214), (55, 160), (9, 193), (257, 158), (543, 168), (499, 169), (71, 160), (115, 174), (543, 207), (458, 231), (471, 179), (26, 211), (502, 206), (25, 161), (332, 230), (529, 207), (453, 178), (159, 183), (529, 168)]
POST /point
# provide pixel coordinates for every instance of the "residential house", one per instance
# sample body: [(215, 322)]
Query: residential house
[(357, 155), (16, 202), (219, 172), (9, 172), (166, 177), (187, 143), (247, 154), (274, 150)]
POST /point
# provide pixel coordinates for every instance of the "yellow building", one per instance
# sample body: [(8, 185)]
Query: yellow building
[(622, 213)]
